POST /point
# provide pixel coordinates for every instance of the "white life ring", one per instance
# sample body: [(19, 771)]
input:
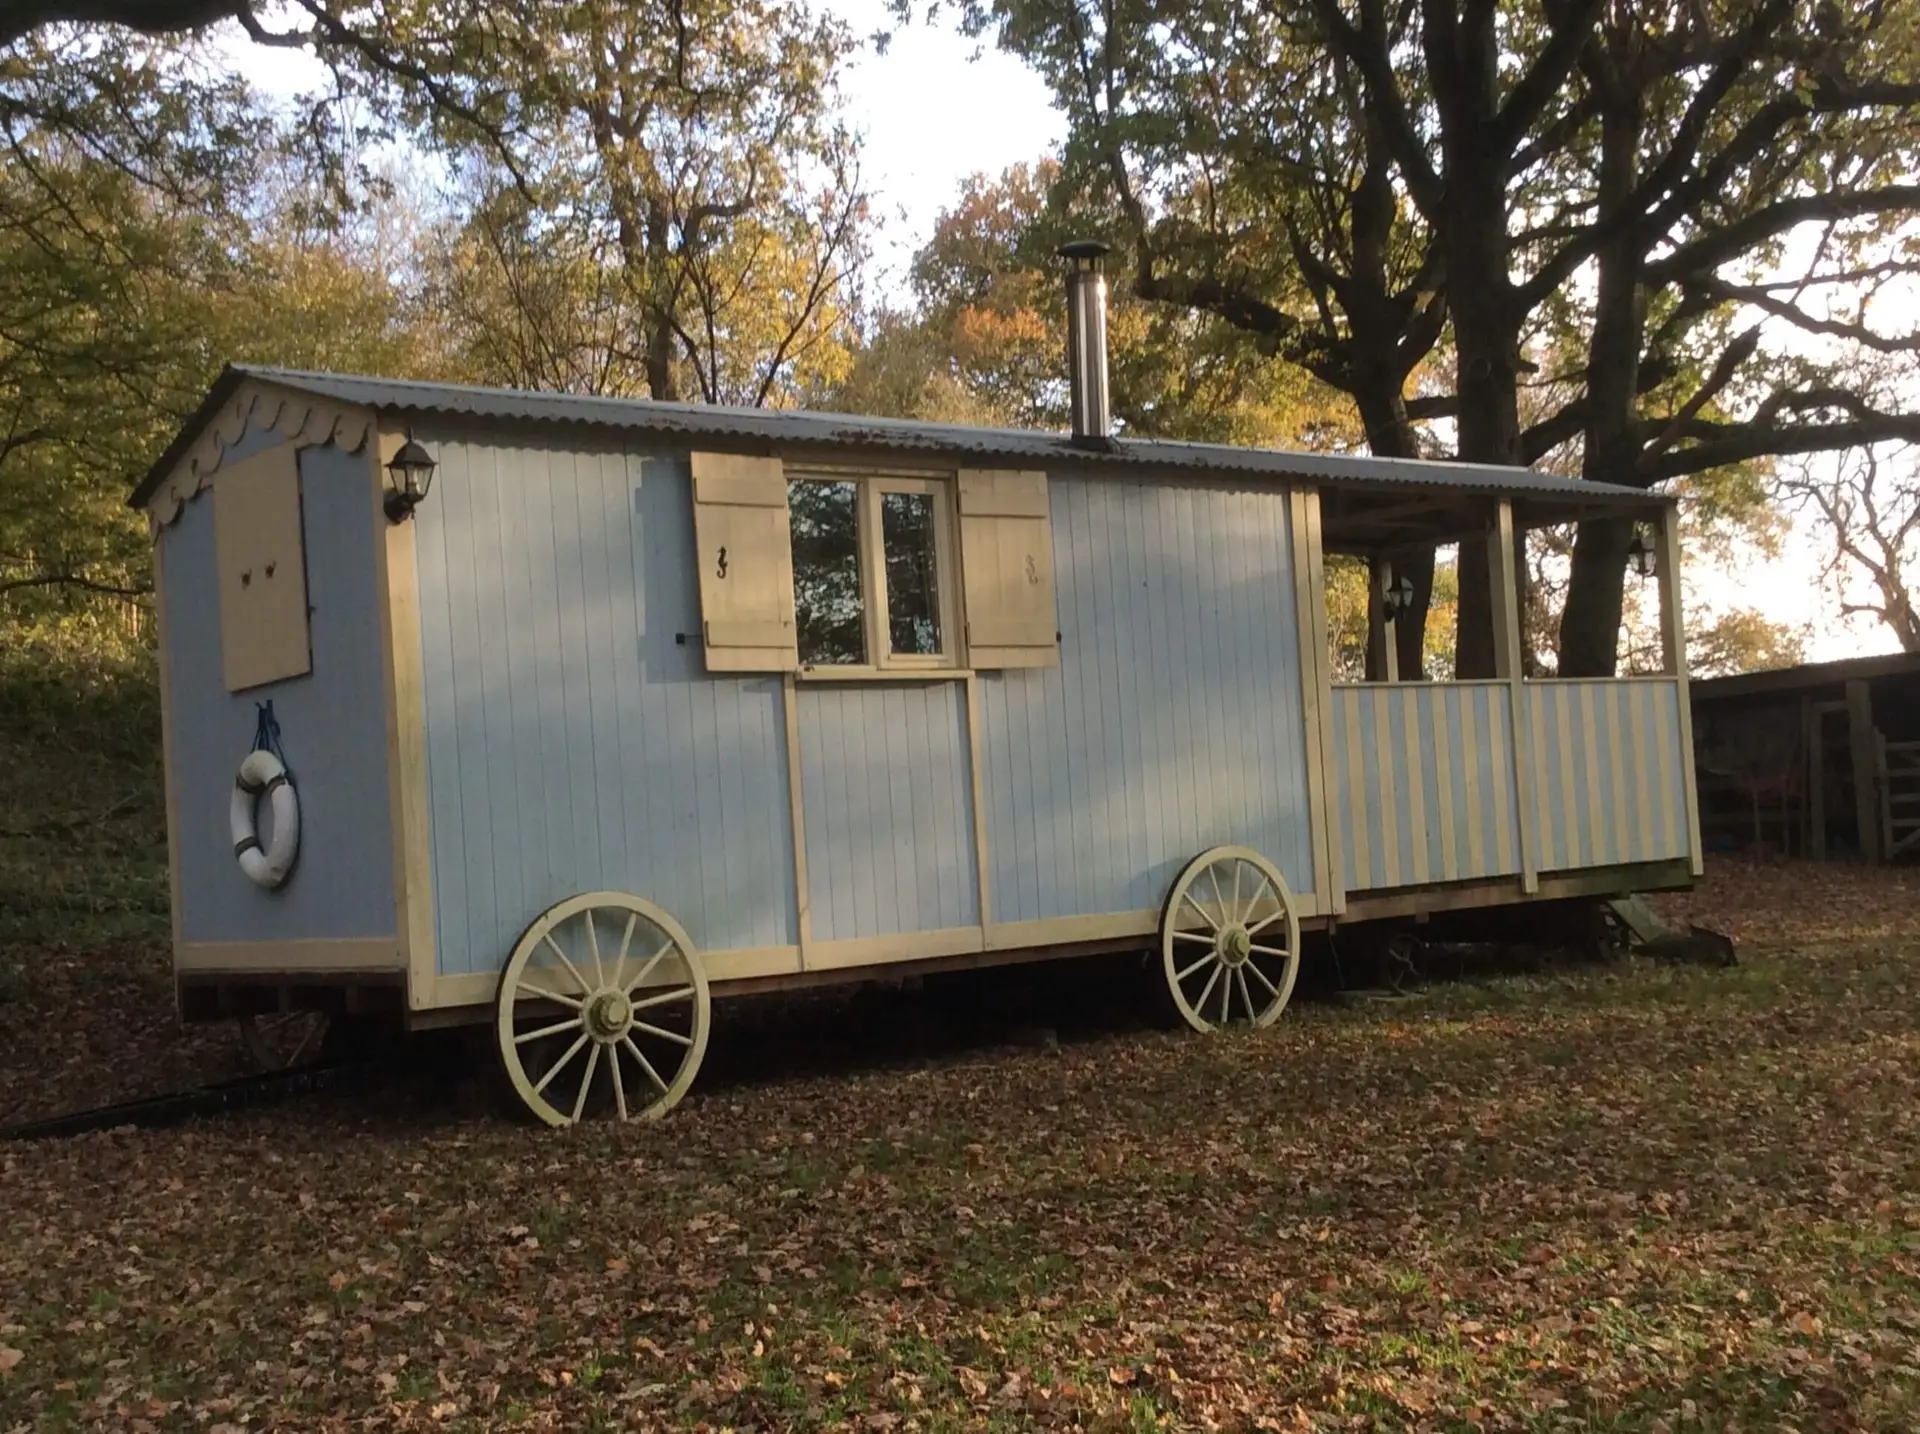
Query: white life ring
[(263, 774)]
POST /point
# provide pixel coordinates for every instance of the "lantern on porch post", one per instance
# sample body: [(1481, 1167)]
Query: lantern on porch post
[(1640, 553), (1397, 596)]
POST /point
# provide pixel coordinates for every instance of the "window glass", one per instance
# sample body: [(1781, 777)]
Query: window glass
[(913, 592), (828, 608)]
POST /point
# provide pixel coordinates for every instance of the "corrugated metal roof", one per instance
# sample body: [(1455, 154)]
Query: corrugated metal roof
[(1806, 676), (787, 428)]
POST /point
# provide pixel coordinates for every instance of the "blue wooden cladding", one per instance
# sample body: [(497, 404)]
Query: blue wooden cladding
[(576, 742), (888, 809), (332, 724), (1174, 721), (1424, 786), (573, 742)]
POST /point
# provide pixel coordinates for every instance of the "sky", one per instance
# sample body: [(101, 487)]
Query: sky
[(934, 110), (937, 108)]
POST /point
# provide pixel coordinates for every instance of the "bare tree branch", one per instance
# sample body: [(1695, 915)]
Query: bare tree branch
[(75, 580)]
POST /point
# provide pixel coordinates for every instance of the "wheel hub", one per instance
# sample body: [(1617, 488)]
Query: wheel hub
[(609, 1015), (1235, 945)]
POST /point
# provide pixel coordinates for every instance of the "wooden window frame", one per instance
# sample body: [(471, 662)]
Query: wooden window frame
[(871, 487)]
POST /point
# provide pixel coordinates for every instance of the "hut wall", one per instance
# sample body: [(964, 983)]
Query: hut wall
[(1175, 720), (888, 807), (1608, 785), (574, 742), (332, 721), (1424, 783)]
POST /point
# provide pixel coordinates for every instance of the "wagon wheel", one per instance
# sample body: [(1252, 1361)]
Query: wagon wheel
[(604, 996), (1230, 939), (283, 1040)]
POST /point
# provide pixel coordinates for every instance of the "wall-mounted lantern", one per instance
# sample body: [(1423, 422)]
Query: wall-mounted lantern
[(410, 474), (1640, 554), (1397, 596)]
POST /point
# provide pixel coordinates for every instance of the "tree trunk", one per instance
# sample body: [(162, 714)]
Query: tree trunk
[(658, 318), (1590, 623), (1410, 626), (1487, 338), (1410, 631), (1381, 398), (660, 381), (1488, 346)]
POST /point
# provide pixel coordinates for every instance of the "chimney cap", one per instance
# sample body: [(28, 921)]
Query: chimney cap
[(1087, 251)]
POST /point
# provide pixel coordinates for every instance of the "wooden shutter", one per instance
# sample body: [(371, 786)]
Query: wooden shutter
[(1006, 569), (259, 550), (746, 563)]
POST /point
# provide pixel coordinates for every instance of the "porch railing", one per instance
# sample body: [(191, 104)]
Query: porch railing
[(1429, 787)]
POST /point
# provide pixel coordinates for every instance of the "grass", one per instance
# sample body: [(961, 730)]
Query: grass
[(86, 987), (1632, 1198), (82, 817)]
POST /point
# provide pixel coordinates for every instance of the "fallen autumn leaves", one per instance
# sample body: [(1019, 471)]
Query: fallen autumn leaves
[(1624, 1199)]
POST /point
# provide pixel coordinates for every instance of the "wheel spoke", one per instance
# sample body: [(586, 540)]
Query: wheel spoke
[(646, 968), (620, 961), (1253, 901), (1266, 950), (678, 993), (1200, 1006), (1266, 921), (1219, 902), (572, 970), (1188, 897), (664, 1034), (307, 1038), (1261, 977), (1182, 975), (619, 1086), (586, 1083), (1200, 936), (593, 945), (572, 1023), (526, 986), (645, 1064), (554, 1069), (1236, 888), (1226, 999), (1246, 996)]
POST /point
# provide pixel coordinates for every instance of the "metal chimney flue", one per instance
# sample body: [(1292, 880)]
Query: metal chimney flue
[(1087, 340)]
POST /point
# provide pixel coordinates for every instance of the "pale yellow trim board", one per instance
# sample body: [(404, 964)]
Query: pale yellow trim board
[(403, 680)]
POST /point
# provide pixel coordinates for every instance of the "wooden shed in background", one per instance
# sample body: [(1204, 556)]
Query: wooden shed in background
[(1820, 760)]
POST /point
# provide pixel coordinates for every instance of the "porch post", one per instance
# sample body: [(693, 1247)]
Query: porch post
[(1383, 645), (1673, 650), (1508, 668), (1316, 685)]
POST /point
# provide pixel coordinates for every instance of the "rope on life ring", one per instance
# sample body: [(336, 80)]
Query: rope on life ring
[(264, 773)]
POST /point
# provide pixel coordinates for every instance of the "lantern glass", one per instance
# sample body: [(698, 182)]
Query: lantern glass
[(1398, 596), (411, 474), (1640, 555)]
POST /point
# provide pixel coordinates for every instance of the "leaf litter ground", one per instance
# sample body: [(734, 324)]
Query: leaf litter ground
[(1617, 1198)]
